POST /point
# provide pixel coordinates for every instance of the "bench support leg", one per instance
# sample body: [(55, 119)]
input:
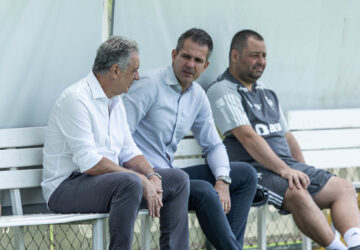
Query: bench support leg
[(19, 238), (145, 232), (261, 227), (306, 242), (98, 234)]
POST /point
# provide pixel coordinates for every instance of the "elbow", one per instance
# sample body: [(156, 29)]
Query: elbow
[(213, 148)]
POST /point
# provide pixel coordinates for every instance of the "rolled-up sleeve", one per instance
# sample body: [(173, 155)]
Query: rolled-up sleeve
[(74, 122), (206, 135)]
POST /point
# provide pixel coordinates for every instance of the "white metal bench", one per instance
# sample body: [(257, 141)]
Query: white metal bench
[(20, 178), (21, 172), (329, 138)]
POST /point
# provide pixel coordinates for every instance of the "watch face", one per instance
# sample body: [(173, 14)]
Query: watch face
[(226, 179)]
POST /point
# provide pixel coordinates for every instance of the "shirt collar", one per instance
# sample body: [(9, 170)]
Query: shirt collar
[(172, 81), (95, 87)]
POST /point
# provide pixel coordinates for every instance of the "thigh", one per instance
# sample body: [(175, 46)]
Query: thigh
[(174, 181), (202, 194), (83, 193), (277, 185), (200, 172), (243, 175), (318, 177)]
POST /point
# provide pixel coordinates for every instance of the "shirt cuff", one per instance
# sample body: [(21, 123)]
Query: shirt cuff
[(223, 171), (89, 162), (127, 156)]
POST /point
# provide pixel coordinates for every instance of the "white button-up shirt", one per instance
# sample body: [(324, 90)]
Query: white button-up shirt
[(84, 126)]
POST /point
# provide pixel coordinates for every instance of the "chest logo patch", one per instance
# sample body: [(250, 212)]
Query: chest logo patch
[(258, 106), (270, 102)]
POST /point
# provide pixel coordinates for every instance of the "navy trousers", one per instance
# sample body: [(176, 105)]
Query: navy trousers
[(120, 194), (223, 231)]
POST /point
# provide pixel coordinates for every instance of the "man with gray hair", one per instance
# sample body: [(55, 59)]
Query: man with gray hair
[(92, 165)]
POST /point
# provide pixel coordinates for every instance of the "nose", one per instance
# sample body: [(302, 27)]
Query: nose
[(190, 63), (262, 60), (136, 75)]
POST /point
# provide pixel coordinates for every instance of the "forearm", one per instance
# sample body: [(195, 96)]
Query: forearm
[(258, 148), (263, 154), (105, 166), (139, 164), (294, 147)]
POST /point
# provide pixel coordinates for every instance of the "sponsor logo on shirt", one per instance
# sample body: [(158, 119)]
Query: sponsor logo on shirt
[(263, 129)]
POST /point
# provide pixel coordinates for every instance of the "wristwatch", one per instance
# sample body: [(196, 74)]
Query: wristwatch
[(224, 178), (153, 173)]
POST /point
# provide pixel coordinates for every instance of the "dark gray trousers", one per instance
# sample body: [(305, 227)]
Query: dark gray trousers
[(120, 195)]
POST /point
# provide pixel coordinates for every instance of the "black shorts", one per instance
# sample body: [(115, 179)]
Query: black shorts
[(277, 185)]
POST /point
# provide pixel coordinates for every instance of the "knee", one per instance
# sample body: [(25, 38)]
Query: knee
[(180, 178), (294, 197), (129, 184), (243, 173), (203, 191)]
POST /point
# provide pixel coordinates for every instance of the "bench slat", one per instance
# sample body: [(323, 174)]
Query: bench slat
[(182, 163), (341, 158), (42, 219), (323, 119), (328, 139), (188, 147), (20, 157), (20, 178), (45, 219), (22, 137)]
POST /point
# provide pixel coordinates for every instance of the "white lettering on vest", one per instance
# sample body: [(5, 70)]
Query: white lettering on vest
[(263, 129)]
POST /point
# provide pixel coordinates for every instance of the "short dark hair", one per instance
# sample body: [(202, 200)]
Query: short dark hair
[(115, 50), (239, 41), (198, 36)]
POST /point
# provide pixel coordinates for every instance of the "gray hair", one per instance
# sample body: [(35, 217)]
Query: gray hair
[(115, 50)]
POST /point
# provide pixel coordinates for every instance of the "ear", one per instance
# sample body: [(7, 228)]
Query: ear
[(234, 55), (173, 54), (114, 71), (206, 64)]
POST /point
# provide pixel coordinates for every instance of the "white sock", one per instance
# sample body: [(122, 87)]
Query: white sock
[(336, 244), (352, 237)]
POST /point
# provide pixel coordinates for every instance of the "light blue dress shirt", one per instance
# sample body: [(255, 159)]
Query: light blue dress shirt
[(160, 115)]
